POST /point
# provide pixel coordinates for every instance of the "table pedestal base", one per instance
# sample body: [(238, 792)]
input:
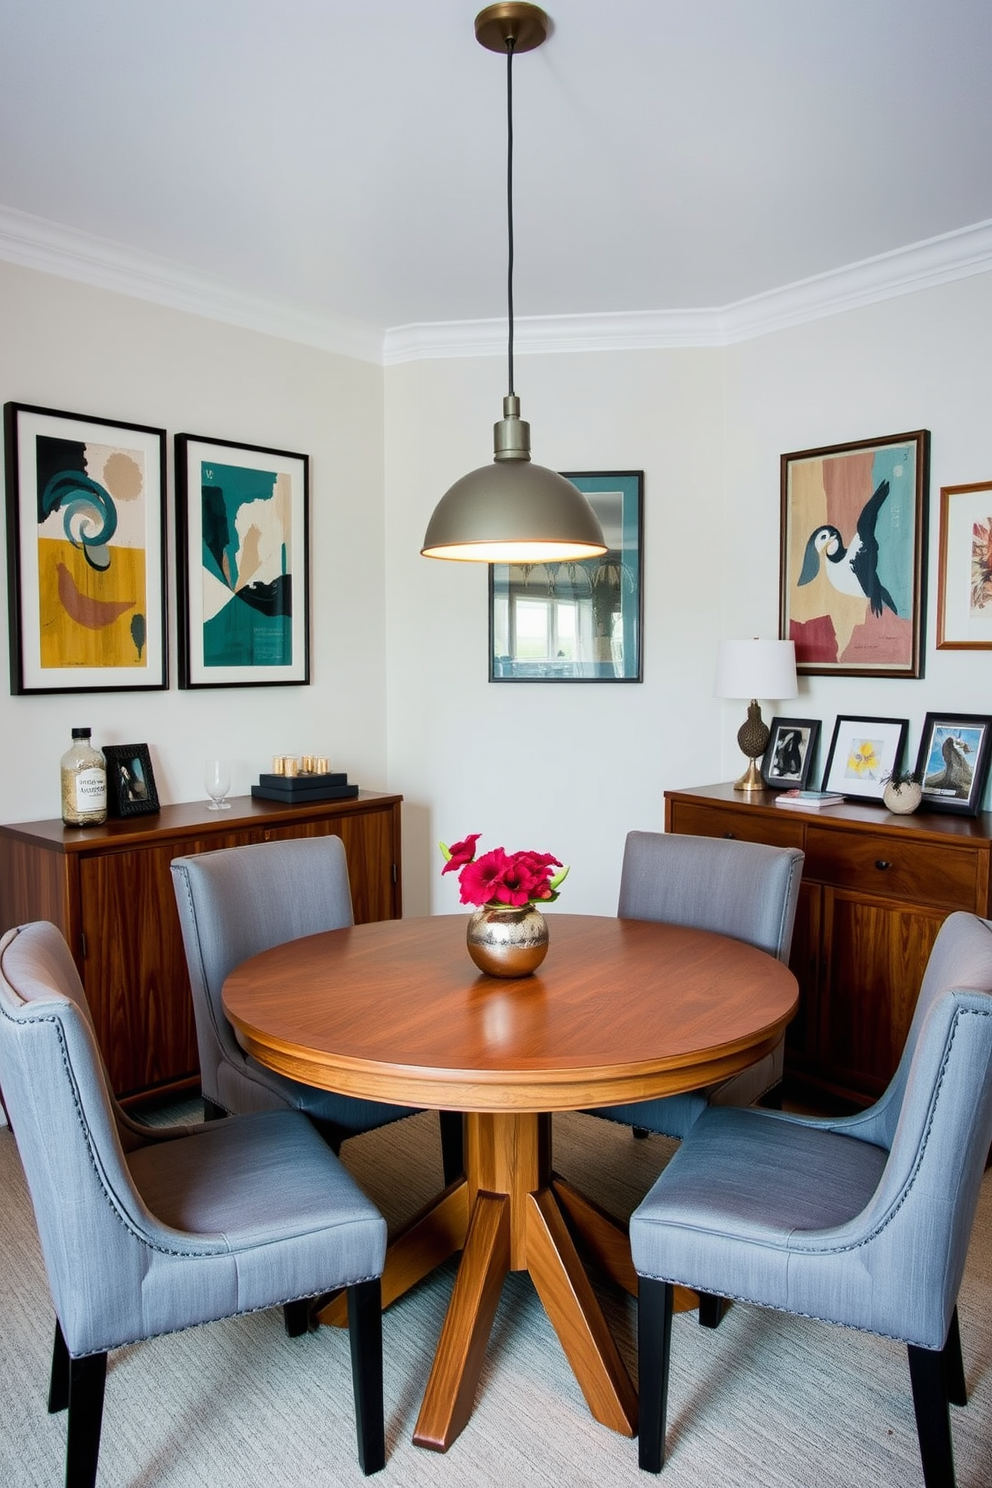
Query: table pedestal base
[(511, 1213)]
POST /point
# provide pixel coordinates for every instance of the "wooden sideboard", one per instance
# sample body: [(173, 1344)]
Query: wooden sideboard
[(109, 890), (876, 889)]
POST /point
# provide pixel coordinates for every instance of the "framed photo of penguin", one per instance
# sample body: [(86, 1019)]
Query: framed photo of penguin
[(852, 559), (953, 763)]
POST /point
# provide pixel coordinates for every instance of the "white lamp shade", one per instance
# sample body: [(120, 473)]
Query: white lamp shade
[(756, 669)]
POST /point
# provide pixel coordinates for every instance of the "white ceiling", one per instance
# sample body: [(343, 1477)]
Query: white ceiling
[(351, 157)]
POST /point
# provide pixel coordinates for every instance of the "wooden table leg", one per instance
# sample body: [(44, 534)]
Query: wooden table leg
[(461, 1348)]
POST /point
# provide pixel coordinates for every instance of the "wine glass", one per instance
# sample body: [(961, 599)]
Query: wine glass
[(217, 780)]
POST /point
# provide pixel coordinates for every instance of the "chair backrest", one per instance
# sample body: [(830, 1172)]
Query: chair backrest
[(69, 1138), (744, 889), (239, 901), (911, 1241)]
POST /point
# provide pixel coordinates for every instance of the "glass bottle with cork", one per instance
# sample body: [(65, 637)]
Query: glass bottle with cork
[(84, 783)]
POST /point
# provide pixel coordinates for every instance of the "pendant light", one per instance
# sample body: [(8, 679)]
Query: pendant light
[(512, 511)]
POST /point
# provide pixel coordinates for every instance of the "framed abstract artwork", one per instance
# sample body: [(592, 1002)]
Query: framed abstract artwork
[(964, 571), (788, 760), (953, 762), (576, 621), (863, 754), (85, 552), (242, 514), (852, 552)]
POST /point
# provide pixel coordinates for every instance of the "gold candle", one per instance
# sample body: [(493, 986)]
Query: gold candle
[(323, 765), (290, 765), (278, 764)]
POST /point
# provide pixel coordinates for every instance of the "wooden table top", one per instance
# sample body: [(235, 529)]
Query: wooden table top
[(620, 1010)]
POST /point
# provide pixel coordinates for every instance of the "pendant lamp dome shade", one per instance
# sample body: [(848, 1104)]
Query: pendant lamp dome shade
[(513, 511)]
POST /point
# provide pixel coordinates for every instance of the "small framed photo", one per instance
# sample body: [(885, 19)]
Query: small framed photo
[(575, 621), (788, 760), (130, 780), (964, 571), (85, 552), (863, 754), (852, 545), (953, 762), (242, 541)]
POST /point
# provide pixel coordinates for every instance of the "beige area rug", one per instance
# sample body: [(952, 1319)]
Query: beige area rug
[(765, 1401)]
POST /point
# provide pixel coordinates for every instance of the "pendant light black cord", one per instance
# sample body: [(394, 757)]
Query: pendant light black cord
[(509, 204)]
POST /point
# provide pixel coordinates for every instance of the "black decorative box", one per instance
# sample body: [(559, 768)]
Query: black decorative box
[(291, 789)]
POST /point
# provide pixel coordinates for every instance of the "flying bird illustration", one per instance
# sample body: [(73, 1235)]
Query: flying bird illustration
[(854, 569)]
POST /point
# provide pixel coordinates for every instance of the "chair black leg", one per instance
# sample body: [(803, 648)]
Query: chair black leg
[(957, 1387), (927, 1370), (296, 1316), (365, 1333), (654, 1347), (640, 1132), (58, 1384), (211, 1110), (87, 1378), (452, 1145), (711, 1310)]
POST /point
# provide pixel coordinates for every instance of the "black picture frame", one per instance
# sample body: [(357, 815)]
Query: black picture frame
[(86, 553), (243, 564), (864, 752), (788, 761), (585, 618), (130, 780), (950, 781)]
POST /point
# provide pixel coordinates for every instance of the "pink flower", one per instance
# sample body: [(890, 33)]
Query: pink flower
[(461, 853)]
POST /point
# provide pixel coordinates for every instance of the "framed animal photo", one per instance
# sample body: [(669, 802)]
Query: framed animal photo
[(788, 760), (953, 763), (852, 556)]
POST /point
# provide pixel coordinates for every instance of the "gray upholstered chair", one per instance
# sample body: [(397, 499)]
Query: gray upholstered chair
[(743, 889), (235, 903), (863, 1220), (145, 1231)]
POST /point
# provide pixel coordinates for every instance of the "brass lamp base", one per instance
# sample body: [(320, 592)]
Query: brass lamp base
[(752, 740)]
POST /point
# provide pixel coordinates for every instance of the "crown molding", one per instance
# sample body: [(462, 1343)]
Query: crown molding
[(954, 255), (35, 243)]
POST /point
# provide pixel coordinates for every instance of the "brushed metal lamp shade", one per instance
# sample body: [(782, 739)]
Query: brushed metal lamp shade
[(512, 511)]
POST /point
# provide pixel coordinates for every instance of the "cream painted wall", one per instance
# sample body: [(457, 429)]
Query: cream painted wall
[(571, 768), (66, 346)]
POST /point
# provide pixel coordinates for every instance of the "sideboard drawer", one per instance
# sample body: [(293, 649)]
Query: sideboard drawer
[(744, 826), (883, 865)]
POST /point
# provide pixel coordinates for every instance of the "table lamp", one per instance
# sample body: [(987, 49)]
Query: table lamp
[(753, 669)]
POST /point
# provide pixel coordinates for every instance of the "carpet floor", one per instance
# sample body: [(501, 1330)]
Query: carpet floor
[(765, 1401)]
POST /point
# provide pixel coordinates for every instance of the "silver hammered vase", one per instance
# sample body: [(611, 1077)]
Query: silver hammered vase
[(507, 942)]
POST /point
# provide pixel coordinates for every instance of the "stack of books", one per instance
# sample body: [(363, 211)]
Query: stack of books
[(290, 789), (808, 800)]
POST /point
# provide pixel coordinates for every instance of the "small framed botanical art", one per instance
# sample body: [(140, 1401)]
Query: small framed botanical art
[(242, 514), (85, 552), (863, 754), (953, 763), (130, 780), (788, 760), (577, 621), (853, 538), (964, 571)]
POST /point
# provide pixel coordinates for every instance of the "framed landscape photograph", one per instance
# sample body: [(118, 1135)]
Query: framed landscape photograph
[(242, 514), (788, 760), (130, 780), (85, 552), (852, 556), (577, 621), (863, 753), (953, 763), (964, 570)]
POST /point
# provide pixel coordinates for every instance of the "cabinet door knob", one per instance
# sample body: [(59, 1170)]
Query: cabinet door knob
[(881, 864)]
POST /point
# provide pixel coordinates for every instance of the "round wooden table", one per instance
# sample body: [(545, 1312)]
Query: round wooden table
[(620, 1010)]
